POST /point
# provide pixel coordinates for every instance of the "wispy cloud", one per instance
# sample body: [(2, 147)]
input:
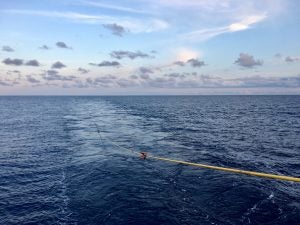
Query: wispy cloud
[(114, 7), (247, 22), (78, 17), (204, 34), (135, 25), (206, 4)]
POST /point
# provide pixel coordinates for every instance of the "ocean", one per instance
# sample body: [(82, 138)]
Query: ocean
[(55, 168)]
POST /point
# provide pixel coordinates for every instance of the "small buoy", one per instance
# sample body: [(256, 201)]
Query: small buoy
[(143, 155)]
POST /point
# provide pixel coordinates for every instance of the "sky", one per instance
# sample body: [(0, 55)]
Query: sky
[(149, 47)]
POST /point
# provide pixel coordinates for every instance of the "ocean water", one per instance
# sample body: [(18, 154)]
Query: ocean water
[(54, 168)]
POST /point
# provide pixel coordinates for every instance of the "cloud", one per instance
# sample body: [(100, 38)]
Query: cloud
[(144, 73), (196, 63), (32, 63), (51, 72), (244, 24), (44, 47), (107, 63), (259, 81), (104, 81), (5, 83), (9, 72), (141, 25), (247, 22), (161, 82), (145, 76), (174, 81), (9, 81), (53, 75), (292, 58), (177, 80), (61, 44), (75, 84), (114, 7), (6, 48), (115, 29), (134, 77), (179, 63), (110, 81), (125, 83), (82, 70), (58, 65), (248, 61), (13, 62), (129, 54), (176, 75), (278, 55), (20, 62), (145, 70), (31, 79)]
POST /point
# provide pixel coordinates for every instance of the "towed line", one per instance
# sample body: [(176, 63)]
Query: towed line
[(144, 155)]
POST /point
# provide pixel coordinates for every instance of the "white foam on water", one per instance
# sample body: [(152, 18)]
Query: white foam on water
[(65, 212)]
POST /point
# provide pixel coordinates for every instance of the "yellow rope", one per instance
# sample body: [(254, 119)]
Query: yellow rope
[(144, 155), (251, 173)]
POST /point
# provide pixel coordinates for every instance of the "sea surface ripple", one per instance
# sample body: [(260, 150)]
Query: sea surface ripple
[(55, 169)]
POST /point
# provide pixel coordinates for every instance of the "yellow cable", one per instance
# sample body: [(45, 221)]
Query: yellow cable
[(246, 172), (251, 173)]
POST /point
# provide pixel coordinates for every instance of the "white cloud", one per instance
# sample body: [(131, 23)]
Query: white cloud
[(113, 7), (156, 25), (207, 4), (247, 22), (133, 24), (204, 34)]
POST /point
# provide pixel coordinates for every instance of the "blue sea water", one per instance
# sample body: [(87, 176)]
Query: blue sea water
[(54, 169)]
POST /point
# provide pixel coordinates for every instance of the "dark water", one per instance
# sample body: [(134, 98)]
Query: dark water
[(55, 170)]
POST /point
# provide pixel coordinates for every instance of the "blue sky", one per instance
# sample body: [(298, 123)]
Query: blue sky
[(149, 47)]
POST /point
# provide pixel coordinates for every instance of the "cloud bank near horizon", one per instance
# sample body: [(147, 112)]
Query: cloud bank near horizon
[(160, 44)]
